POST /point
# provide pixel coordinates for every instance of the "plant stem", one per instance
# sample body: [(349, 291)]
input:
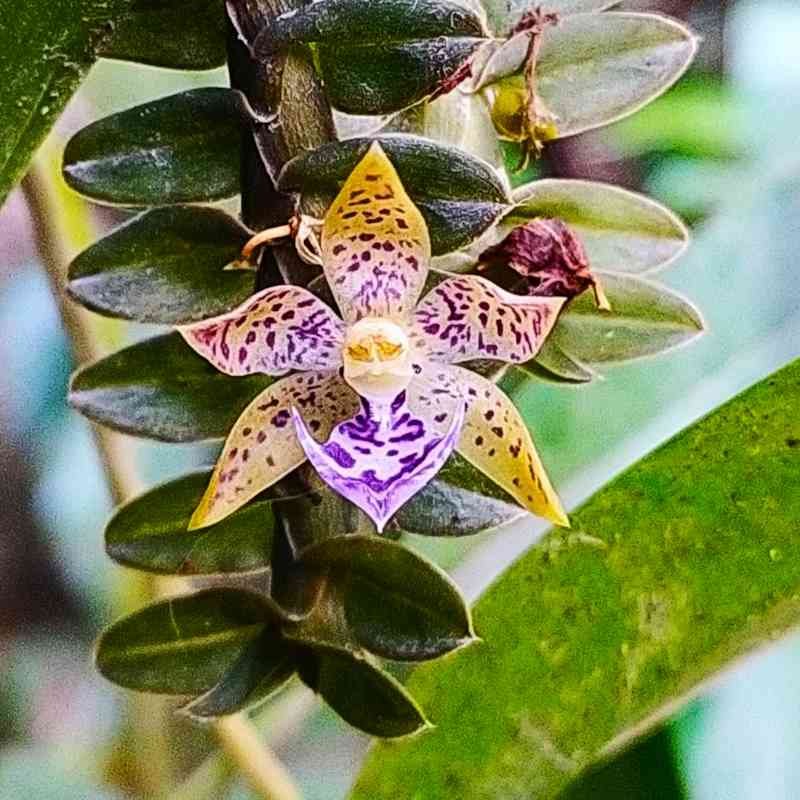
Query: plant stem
[(58, 242)]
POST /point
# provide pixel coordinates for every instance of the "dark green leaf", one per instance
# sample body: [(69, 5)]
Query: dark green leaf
[(396, 604), (645, 319), (555, 365), (384, 55), (184, 645), (180, 149), (164, 266), (459, 501), (47, 49), (363, 694), (680, 566), (263, 668), (161, 389), (182, 34), (459, 195), (150, 533)]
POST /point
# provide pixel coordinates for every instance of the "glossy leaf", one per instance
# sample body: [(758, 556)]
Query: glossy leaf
[(395, 603), (384, 55), (363, 694), (150, 533), (160, 389), (502, 15), (263, 668), (182, 34), (555, 365), (679, 566), (165, 266), (47, 49), (594, 69), (645, 319), (179, 149), (459, 195), (184, 645), (621, 231)]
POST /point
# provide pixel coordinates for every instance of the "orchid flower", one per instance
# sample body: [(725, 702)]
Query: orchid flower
[(375, 400)]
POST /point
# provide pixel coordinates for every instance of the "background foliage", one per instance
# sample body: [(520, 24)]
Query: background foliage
[(740, 272)]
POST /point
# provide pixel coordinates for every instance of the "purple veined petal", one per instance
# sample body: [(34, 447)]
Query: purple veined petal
[(262, 446), (277, 330), (493, 438), (382, 456), (375, 245), (467, 317)]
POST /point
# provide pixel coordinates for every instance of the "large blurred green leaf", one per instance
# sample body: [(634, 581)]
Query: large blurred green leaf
[(183, 645), (384, 55), (47, 46), (182, 34), (161, 389), (685, 562), (150, 533), (180, 149), (165, 266), (459, 195)]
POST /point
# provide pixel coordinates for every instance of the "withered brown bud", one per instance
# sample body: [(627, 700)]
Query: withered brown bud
[(551, 258)]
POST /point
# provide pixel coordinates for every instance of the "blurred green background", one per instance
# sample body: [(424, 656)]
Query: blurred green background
[(720, 149)]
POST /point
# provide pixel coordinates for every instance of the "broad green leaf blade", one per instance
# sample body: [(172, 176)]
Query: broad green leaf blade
[(165, 266), (595, 69), (396, 604), (184, 645), (502, 15), (382, 78), (557, 366), (382, 56), (459, 501), (622, 231), (160, 389), (263, 668), (645, 319), (180, 149), (47, 47), (181, 34), (684, 563), (459, 195), (150, 533), (363, 694)]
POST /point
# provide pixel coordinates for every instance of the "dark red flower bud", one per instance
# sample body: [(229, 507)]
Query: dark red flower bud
[(551, 258)]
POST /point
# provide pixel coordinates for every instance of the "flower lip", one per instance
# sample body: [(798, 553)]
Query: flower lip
[(377, 358)]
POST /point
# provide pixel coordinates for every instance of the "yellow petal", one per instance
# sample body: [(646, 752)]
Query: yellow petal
[(375, 245), (262, 446), (496, 441)]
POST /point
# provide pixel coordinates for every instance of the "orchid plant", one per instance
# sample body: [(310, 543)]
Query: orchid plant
[(343, 382), (382, 386)]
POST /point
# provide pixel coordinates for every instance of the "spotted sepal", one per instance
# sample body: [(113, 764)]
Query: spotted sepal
[(382, 456), (275, 331), (495, 439), (466, 318), (375, 245), (262, 446)]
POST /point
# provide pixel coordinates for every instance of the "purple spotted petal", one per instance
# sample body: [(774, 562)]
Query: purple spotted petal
[(277, 330), (375, 246), (467, 317), (382, 456)]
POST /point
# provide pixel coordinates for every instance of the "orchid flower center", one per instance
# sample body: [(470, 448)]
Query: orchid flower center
[(377, 358)]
